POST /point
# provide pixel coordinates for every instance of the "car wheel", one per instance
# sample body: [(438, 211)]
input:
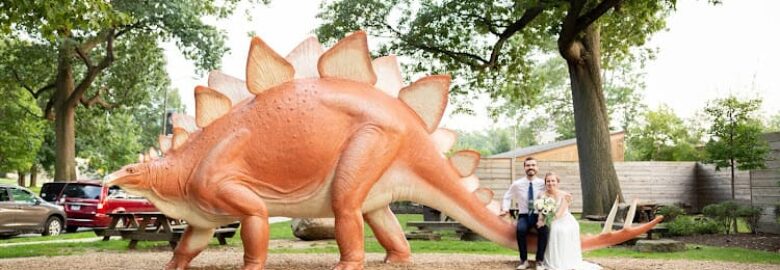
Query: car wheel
[(52, 227), (71, 229)]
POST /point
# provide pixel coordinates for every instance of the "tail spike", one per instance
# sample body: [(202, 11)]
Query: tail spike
[(185, 122), (210, 105), (485, 195), (179, 137), (304, 58), (465, 162), (166, 142), (153, 154), (630, 215), (265, 68), (388, 75), (428, 98), (348, 59), (232, 87), (471, 182), (444, 139), (611, 217)]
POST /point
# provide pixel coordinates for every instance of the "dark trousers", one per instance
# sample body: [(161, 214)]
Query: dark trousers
[(524, 224)]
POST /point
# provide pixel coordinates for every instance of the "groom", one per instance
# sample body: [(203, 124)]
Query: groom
[(524, 191)]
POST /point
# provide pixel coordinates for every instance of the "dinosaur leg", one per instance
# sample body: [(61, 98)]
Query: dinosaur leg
[(390, 235), (254, 222), (191, 244), (367, 155)]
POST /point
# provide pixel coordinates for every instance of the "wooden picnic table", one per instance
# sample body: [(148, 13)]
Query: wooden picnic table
[(155, 226)]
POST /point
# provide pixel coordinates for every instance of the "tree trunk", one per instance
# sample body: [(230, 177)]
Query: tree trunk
[(64, 121), (20, 178), (600, 184), (733, 193), (33, 175)]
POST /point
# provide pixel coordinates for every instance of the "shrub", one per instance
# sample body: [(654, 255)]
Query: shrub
[(751, 215), (670, 212), (681, 226), (687, 225), (725, 214), (707, 226)]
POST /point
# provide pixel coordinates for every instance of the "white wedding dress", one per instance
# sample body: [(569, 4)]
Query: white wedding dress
[(563, 248)]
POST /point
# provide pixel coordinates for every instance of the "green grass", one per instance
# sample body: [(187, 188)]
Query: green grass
[(693, 252), (72, 248), (449, 244), (78, 235)]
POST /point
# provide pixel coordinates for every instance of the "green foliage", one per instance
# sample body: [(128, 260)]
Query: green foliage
[(492, 141), (663, 136), (670, 212), (751, 215), (725, 214), (46, 40), (687, 225), (22, 130), (736, 134), (553, 110), (479, 42), (109, 141), (773, 123)]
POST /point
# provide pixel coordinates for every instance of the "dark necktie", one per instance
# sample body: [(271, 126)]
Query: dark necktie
[(530, 198)]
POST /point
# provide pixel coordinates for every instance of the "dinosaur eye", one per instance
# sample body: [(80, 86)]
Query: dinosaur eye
[(131, 170)]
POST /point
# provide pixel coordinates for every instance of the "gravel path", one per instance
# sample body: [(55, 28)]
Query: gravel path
[(230, 258)]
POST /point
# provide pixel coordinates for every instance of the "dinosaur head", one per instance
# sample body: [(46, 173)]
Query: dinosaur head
[(131, 177), (134, 177)]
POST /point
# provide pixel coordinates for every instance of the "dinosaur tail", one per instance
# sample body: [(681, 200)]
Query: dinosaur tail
[(609, 238), (451, 187)]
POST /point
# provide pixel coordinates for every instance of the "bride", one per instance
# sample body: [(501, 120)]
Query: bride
[(563, 248)]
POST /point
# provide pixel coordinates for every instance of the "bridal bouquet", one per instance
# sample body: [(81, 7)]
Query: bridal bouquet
[(547, 207)]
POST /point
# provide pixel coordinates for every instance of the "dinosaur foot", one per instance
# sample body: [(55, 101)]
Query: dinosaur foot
[(348, 266), (252, 266), (398, 258), (178, 262)]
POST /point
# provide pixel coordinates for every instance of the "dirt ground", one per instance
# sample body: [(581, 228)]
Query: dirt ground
[(230, 258), (761, 241)]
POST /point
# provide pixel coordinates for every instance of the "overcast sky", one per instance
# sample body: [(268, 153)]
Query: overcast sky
[(708, 52)]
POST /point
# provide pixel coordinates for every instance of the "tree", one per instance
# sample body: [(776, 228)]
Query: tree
[(67, 53), (22, 132), (773, 124), (663, 136), (622, 93), (490, 142), (488, 45), (736, 140)]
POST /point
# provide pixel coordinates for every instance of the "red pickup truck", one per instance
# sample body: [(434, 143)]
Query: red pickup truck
[(88, 203)]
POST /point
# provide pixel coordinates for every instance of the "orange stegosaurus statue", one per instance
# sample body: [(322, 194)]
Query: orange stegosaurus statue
[(318, 134)]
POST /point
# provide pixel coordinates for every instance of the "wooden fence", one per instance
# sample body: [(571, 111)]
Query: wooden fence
[(686, 183), (765, 187)]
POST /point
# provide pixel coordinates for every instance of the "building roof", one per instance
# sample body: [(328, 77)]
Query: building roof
[(526, 151)]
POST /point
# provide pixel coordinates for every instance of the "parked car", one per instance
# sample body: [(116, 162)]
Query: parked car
[(22, 212), (88, 202)]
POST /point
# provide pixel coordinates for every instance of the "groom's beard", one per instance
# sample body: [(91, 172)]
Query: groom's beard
[(530, 172)]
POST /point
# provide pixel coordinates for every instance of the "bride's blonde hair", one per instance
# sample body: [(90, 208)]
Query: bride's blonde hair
[(557, 179)]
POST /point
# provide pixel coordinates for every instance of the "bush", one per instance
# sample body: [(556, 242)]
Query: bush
[(751, 215), (670, 212), (725, 214), (707, 226), (681, 226), (686, 225)]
